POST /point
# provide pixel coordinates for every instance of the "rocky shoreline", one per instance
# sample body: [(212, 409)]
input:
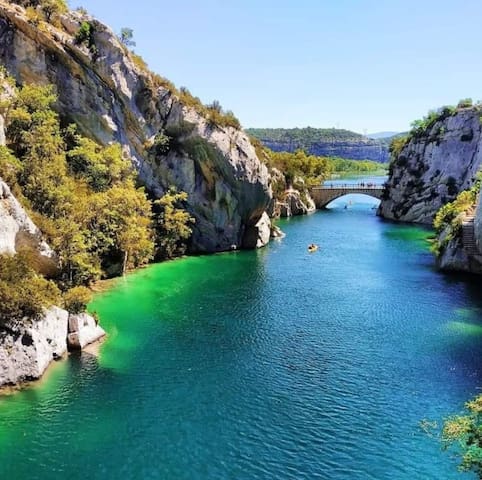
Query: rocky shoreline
[(434, 165), (27, 348)]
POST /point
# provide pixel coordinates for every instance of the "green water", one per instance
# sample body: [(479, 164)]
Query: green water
[(275, 364)]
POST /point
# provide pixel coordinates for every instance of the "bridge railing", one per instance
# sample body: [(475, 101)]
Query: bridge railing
[(350, 186)]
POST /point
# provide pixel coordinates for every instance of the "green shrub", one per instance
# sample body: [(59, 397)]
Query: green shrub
[(463, 434), (33, 16), (396, 147), (76, 299), (52, 8), (86, 36), (465, 103), (449, 218), (174, 224), (23, 293), (161, 145)]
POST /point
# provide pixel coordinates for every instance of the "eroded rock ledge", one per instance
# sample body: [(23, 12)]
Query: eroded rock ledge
[(28, 347)]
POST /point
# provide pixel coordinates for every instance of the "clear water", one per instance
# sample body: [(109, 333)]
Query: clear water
[(276, 364)]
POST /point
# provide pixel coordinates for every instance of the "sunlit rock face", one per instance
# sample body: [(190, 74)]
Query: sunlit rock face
[(433, 167), (113, 100)]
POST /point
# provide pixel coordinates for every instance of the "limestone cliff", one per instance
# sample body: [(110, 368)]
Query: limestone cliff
[(434, 165), (293, 203), (28, 347), (113, 99)]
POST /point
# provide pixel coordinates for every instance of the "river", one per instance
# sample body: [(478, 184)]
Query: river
[(274, 364)]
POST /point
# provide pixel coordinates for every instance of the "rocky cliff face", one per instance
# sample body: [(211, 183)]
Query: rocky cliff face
[(433, 167), (18, 232), (27, 348), (293, 203), (113, 100)]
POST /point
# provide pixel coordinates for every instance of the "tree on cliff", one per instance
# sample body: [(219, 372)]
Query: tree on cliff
[(82, 195), (173, 224), (23, 293), (127, 37), (50, 8)]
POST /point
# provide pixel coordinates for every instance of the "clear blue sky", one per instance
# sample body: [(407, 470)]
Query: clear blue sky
[(357, 64)]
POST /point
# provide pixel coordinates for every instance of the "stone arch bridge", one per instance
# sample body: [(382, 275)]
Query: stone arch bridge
[(327, 193)]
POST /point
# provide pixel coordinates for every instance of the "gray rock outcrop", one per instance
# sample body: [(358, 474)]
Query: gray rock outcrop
[(433, 167), (259, 235), (83, 330), (18, 232), (478, 225), (463, 251), (112, 99), (294, 203), (28, 347)]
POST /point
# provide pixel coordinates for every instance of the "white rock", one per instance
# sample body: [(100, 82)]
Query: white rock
[(433, 168), (17, 231), (113, 100), (28, 347), (83, 330)]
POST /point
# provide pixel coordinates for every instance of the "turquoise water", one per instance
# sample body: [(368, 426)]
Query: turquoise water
[(276, 364)]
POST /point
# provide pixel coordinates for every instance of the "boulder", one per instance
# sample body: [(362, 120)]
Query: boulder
[(83, 330), (28, 347), (258, 235)]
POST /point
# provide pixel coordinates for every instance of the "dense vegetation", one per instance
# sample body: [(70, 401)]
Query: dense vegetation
[(325, 142), (83, 196), (448, 220), (463, 433), (304, 137), (23, 293), (301, 170)]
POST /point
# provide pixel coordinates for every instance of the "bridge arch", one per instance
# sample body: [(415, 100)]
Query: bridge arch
[(322, 196)]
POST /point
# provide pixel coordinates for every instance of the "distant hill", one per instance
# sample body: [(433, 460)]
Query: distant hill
[(331, 142), (380, 135), (388, 140)]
